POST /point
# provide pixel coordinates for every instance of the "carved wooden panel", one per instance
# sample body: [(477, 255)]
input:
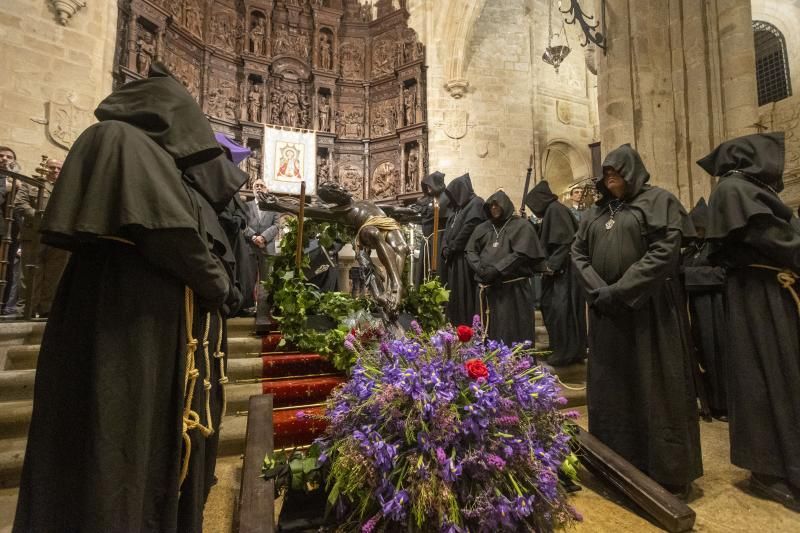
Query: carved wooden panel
[(352, 72)]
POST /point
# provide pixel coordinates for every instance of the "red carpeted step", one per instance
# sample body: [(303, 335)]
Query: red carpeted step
[(290, 431), (301, 391), (301, 364), (270, 341)]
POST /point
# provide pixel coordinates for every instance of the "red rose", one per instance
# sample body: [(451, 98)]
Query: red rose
[(464, 333), (476, 369)]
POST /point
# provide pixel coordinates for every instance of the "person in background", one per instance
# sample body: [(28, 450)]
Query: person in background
[(467, 213), (576, 199), (641, 397), (41, 265), (756, 238), (262, 236), (8, 161), (704, 289), (562, 301), (504, 252)]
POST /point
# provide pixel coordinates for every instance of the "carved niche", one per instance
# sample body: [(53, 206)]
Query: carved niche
[(352, 72)]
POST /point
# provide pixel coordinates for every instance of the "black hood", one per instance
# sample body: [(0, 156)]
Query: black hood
[(760, 155), (539, 198), (699, 214), (217, 181), (434, 183), (505, 203), (164, 110), (460, 192), (630, 166)]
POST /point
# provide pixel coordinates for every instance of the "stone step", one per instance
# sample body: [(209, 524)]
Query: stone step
[(15, 417), (16, 384), (286, 392), (278, 366), (12, 333), (12, 454)]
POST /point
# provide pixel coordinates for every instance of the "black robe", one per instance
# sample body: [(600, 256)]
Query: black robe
[(234, 221), (641, 397), (466, 215), (750, 225), (504, 255), (562, 302), (147, 271), (705, 293)]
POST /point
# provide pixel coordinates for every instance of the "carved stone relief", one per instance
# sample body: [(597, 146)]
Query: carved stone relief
[(306, 64)]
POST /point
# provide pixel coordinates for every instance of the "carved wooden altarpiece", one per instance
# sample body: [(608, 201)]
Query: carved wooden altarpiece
[(355, 74)]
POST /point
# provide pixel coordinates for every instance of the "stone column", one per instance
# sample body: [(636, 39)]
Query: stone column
[(678, 78)]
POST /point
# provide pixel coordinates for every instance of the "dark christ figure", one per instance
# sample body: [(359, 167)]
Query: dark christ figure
[(756, 237), (641, 401), (374, 231)]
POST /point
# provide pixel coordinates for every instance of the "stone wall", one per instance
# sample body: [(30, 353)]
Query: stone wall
[(677, 80), (491, 98), (53, 76), (785, 114)]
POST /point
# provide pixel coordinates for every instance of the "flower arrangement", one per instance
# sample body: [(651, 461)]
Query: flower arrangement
[(443, 432)]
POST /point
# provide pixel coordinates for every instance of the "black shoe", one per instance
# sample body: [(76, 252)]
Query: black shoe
[(775, 489)]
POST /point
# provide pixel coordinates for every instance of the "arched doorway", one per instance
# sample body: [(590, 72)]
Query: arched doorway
[(563, 165)]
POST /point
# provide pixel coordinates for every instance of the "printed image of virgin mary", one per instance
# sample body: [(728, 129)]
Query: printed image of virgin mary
[(289, 166)]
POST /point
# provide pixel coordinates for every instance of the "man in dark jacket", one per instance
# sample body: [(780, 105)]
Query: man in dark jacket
[(129, 383), (756, 237), (641, 397), (562, 301)]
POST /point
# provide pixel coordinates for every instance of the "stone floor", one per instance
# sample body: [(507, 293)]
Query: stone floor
[(721, 504)]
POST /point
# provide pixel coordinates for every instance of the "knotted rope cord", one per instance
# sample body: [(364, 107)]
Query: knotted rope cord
[(190, 418), (208, 429), (786, 279), (485, 310), (219, 355), (381, 222)]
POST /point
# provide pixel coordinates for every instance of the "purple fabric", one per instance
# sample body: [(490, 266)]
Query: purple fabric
[(238, 152)]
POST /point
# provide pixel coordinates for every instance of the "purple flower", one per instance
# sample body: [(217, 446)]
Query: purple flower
[(441, 456), (415, 327), (495, 461), (300, 415), (395, 508), (451, 471), (369, 525)]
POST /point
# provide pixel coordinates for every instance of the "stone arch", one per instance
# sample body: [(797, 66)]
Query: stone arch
[(458, 18), (563, 164)]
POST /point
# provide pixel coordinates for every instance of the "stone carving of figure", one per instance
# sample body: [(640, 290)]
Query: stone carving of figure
[(230, 108), (339, 121), (412, 172), (366, 13), (323, 170), (194, 17), (257, 34), (383, 182), (254, 103), (324, 110), (275, 107), (305, 109), (290, 114), (254, 166), (145, 52), (410, 104), (350, 179), (325, 51)]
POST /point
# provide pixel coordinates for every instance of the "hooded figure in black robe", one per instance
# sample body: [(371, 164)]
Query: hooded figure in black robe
[(641, 398), (704, 289), (562, 301), (755, 236), (504, 252), (128, 397), (465, 215), (433, 186)]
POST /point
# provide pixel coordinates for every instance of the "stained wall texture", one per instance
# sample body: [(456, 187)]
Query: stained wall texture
[(53, 76)]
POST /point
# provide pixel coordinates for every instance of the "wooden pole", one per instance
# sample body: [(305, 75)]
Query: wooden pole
[(300, 222), (435, 250)]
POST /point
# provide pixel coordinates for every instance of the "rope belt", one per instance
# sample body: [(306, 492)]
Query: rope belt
[(382, 223), (219, 355), (786, 279), (485, 310), (117, 239)]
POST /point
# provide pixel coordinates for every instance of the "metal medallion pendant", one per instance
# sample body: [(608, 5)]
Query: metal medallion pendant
[(496, 244), (610, 223)]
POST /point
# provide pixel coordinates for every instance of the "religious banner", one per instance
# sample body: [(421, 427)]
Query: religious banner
[(289, 160)]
